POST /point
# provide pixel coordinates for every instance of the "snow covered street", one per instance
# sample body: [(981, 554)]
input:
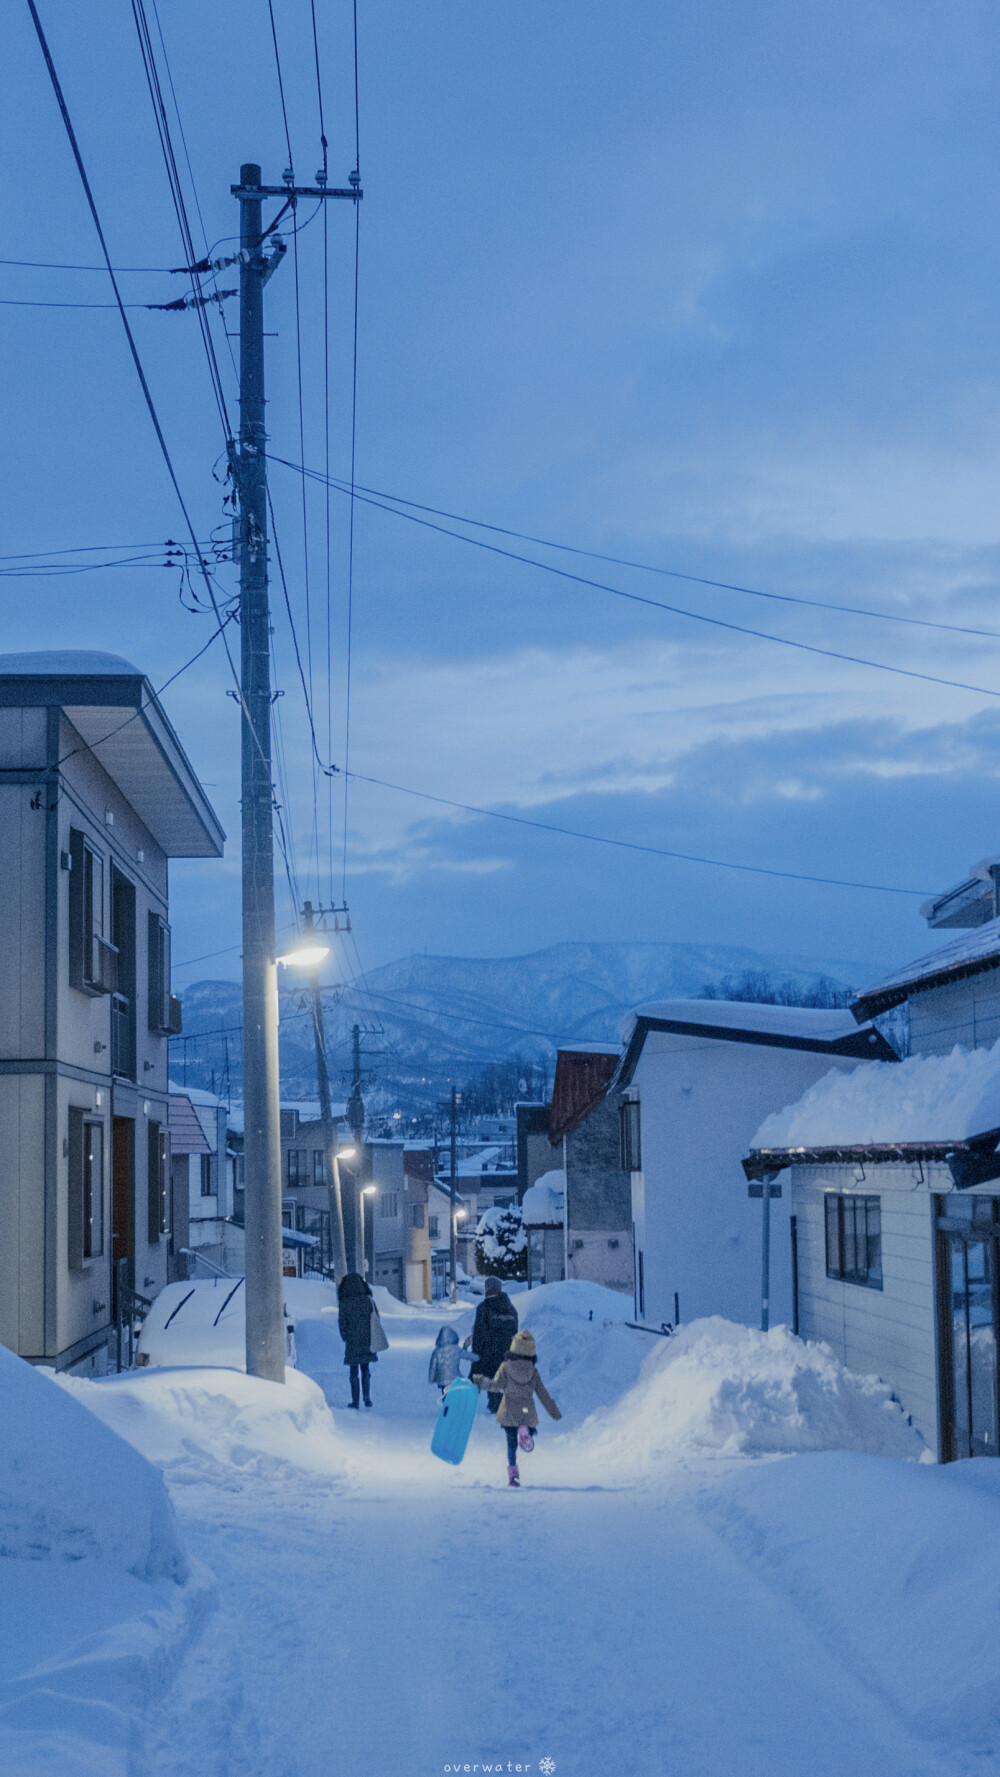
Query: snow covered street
[(380, 1614)]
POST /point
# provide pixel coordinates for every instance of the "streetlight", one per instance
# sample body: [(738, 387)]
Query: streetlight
[(265, 1329), (367, 1191)]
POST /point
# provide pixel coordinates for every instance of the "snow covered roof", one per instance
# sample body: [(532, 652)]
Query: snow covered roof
[(117, 714), (927, 1104), (817, 1028), (974, 951), (186, 1133), (210, 1100), (543, 1202)]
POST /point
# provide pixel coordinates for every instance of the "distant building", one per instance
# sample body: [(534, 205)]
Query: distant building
[(543, 1212), (584, 1131), (210, 1177), (96, 796)]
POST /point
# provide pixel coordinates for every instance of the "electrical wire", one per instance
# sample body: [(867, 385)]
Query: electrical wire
[(137, 361), (655, 851), (281, 84), (639, 598), (350, 533), (785, 598)]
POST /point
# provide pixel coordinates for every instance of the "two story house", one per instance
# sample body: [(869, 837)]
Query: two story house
[(96, 795)]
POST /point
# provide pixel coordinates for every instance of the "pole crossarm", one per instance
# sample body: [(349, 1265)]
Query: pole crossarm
[(291, 192)]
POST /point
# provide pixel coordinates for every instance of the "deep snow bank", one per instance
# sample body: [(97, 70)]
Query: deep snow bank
[(587, 1357), (69, 1488), (97, 1598), (198, 1424), (886, 1560), (717, 1387)]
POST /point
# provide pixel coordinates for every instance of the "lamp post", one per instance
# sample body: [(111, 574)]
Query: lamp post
[(265, 1290), (367, 1191)]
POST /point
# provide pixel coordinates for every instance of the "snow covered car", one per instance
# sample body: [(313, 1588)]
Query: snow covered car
[(201, 1322)]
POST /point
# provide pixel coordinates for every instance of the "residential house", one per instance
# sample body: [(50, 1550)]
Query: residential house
[(696, 1080), (305, 1179), (418, 1177), (385, 1221), (534, 1155), (210, 1178), (188, 1143), (543, 1212), (96, 795), (584, 1129), (895, 1185)]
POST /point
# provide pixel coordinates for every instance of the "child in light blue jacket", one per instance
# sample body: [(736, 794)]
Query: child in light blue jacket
[(444, 1359)]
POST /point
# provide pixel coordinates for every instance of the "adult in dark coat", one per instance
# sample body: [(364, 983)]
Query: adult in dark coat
[(494, 1328), (355, 1321)]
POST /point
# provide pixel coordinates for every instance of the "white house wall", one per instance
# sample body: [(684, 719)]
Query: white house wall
[(965, 1012), (701, 1103), (889, 1332)]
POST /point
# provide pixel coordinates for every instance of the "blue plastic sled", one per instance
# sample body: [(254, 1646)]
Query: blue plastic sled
[(454, 1420)]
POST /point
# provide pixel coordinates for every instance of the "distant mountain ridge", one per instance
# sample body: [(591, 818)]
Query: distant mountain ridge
[(431, 1020)]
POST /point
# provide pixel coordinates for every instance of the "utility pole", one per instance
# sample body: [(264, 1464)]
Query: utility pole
[(356, 1121), (454, 1200), (265, 1339), (325, 1111)]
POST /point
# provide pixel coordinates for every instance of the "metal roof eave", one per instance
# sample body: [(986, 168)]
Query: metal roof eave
[(863, 1045), (81, 696), (971, 1162), (872, 1005)]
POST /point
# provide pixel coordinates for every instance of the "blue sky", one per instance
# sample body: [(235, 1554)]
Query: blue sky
[(711, 287)]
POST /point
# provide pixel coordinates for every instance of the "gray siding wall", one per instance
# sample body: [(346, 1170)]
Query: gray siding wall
[(965, 1012), (599, 1193), (890, 1332)]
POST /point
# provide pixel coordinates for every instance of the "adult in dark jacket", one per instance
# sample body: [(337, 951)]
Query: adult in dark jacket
[(494, 1328), (355, 1321)]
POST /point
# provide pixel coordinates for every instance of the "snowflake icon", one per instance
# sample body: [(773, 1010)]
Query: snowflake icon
[(546, 1766)]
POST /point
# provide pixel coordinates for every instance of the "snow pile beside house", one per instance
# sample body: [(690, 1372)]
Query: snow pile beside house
[(202, 1424), (587, 1356), (70, 1489), (97, 1599), (929, 1098), (726, 1389), (543, 1202)]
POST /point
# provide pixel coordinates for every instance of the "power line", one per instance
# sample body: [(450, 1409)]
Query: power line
[(639, 598), (281, 83), (785, 598), (161, 440), (655, 851)]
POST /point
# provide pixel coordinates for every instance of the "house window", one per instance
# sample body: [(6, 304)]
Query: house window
[(628, 1120), (319, 1166), (91, 960), (159, 973), (854, 1239), (297, 1167), (416, 1215), (86, 1188), (156, 1183), (206, 1175), (389, 1204), (432, 1227)]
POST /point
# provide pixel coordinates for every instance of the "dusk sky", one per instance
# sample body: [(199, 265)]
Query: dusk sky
[(712, 287)]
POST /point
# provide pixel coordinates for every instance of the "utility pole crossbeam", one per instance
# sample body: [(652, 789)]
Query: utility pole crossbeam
[(265, 1337)]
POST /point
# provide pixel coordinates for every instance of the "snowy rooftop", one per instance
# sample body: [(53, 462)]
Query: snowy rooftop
[(59, 662), (817, 1023), (974, 950), (928, 1099), (543, 1201)]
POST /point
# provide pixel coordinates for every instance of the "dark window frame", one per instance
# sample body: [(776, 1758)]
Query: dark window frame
[(86, 1188), (91, 958), (630, 1135), (852, 1224), (158, 974), (157, 1174), (297, 1168), (319, 1168), (207, 1181)]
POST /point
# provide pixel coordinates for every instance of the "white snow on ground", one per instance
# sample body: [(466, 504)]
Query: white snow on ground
[(714, 1386), (97, 1597), (929, 1098), (691, 1611)]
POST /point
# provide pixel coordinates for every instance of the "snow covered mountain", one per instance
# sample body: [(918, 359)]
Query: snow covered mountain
[(428, 1020)]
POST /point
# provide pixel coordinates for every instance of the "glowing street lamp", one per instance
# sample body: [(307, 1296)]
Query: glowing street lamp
[(307, 956)]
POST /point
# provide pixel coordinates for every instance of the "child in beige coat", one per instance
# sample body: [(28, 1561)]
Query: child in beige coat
[(519, 1382)]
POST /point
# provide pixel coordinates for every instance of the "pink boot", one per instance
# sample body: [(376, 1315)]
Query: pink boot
[(513, 1478)]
